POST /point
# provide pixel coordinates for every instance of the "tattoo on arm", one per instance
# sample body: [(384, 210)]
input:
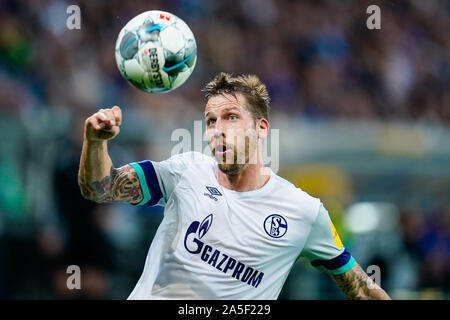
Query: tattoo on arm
[(122, 185), (356, 284)]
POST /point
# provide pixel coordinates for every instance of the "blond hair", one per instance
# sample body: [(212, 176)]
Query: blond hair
[(250, 86)]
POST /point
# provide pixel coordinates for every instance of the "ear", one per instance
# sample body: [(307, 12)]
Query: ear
[(263, 127)]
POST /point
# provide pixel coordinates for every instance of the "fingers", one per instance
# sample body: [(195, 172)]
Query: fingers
[(117, 114), (94, 122), (107, 118)]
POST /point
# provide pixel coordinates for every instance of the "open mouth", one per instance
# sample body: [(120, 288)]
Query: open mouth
[(221, 149)]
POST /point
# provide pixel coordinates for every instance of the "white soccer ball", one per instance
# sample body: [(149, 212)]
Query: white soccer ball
[(156, 51)]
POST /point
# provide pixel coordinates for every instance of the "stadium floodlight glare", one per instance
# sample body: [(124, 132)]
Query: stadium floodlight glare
[(366, 217)]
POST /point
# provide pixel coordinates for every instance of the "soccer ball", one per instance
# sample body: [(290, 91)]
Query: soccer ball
[(156, 51)]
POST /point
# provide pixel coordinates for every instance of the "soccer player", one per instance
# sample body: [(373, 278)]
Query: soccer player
[(231, 229)]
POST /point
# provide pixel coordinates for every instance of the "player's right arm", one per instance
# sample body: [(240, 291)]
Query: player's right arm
[(98, 180)]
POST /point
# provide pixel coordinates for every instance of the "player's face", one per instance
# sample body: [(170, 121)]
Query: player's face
[(231, 132)]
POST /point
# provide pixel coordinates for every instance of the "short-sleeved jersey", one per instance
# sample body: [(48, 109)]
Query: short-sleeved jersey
[(216, 243)]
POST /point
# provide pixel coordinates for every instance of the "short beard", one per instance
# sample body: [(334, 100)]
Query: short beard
[(231, 169), (235, 168)]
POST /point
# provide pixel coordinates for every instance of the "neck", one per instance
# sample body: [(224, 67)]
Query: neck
[(252, 177)]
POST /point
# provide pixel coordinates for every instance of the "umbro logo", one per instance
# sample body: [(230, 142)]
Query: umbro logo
[(213, 193)]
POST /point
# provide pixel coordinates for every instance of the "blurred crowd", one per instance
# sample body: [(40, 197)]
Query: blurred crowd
[(318, 59)]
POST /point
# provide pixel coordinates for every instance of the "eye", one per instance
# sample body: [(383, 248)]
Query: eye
[(233, 117), (210, 121)]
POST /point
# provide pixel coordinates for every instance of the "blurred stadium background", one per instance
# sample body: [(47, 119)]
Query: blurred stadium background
[(363, 116)]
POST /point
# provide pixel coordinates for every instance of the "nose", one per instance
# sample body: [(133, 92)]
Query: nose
[(219, 130)]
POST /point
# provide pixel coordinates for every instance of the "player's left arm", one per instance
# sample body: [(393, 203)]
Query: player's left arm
[(357, 285), (325, 250)]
